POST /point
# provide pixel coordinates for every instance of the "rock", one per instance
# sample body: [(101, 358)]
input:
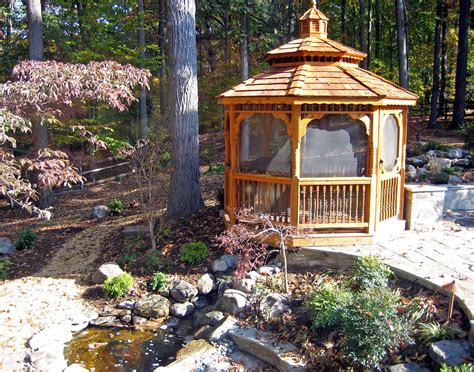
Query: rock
[(455, 153), (268, 270), (190, 356), (126, 319), (451, 352), (244, 285), (76, 368), (233, 301), (153, 306), (173, 322), (273, 306), (409, 367), (164, 292), (252, 275), (222, 329), (282, 355), (211, 318), (416, 161), (410, 173), (182, 310), (107, 270), (6, 246), (454, 180), (104, 321), (423, 173), (112, 311), (50, 359), (200, 303), (463, 163), (47, 336), (147, 324), (183, 291), (202, 332), (436, 154), (205, 284), (100, 211), (129, 305), (440, 163), (81, 320), (219, 266), (230, 260), (135, 231)]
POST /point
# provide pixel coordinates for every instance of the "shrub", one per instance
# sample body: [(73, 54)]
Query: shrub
[(193, 253), (462, 368), (26, 239), (433, 331), (371, 325), (116, 207), (369, 272), (435, 146), (158, 281), (327, 303), (4, 263), (152, 261), (118, 285), (127, 259)]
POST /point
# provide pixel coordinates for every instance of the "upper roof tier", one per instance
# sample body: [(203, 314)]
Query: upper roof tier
[(316, 67)]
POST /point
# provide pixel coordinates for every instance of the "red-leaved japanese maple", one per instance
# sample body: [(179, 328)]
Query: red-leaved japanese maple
[(46, 92)]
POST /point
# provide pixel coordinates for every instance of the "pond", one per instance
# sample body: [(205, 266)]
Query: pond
[(118, 349)]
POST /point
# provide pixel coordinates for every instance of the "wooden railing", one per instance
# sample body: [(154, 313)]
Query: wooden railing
[(334, 202), (389, 206), (264, 194)]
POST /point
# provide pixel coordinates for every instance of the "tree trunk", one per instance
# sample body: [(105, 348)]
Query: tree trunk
[(369, 34), (363, 30), (402, 40), (226, 35), (185, 194), (378, 29), (162, 70), (437, 50), (245, 125), (143, 110), (344, 21), (461, 65), (444, 61)]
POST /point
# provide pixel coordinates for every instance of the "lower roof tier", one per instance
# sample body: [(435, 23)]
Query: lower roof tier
[(319, 81)]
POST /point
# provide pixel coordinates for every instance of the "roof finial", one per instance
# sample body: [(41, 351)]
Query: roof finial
[(315, 3)]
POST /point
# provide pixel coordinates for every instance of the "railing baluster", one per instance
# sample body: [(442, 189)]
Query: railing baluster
[(356, 204)]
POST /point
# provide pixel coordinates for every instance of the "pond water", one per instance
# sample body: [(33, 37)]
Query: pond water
[(117, 349)]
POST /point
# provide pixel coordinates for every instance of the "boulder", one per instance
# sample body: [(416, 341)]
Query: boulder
[(282, 355), (47, 336), (190, 356), (100, 211), (183, 291), (219, 266), (107, 270), (182, 310), (153, 306), (409, 367), (205, 284), (268, 270), (202, 332), (423, 173), (6, 246), (416, 161), (252, 275), (105, 321), (147, 324), (135, 231), (410, 173), (451, 352), (233, 301), (211, 318), (440, 163), (222, 329), (230, 260), (76, 368), (273, 306), (463, 163), (244, 285), (200, 303), (436, 154), (126, 305), (455, 153), (454, 180), (108, 310), (173, 322), (81, 320)]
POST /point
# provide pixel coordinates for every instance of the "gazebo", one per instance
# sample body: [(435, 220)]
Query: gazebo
[(317, 142)]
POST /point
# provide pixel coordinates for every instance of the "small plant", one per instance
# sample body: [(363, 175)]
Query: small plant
[(434, 331), (193, 253), (462, 368), (4, 263), (118, 285), (164, 233), (216, 169), (116, 207), (419, 309), (372, 326), (127, 259), (158, 281), (270, 284), (369, 272), (434, 146), (26, 239), (327, 303), (152, 261)]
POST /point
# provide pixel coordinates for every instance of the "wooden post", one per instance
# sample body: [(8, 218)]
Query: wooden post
[(373, 171), (234, 141), (295, 159), (377, 181), (404, 128)]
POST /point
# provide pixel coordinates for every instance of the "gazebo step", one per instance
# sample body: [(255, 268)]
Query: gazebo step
[(318, 240)]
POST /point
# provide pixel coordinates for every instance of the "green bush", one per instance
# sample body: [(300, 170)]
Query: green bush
[(433, 331), (369, 272), (435, 146), (127, 259), (158, 281), (462, 368), (327, 303), (26, 239), (118, 285), (4, 263), (152, 261), (371, 325), (114, 145), (116, 207), (216, 169), (193, 253)]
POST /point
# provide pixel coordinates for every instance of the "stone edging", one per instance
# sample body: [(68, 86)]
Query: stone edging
[(327, 258)]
